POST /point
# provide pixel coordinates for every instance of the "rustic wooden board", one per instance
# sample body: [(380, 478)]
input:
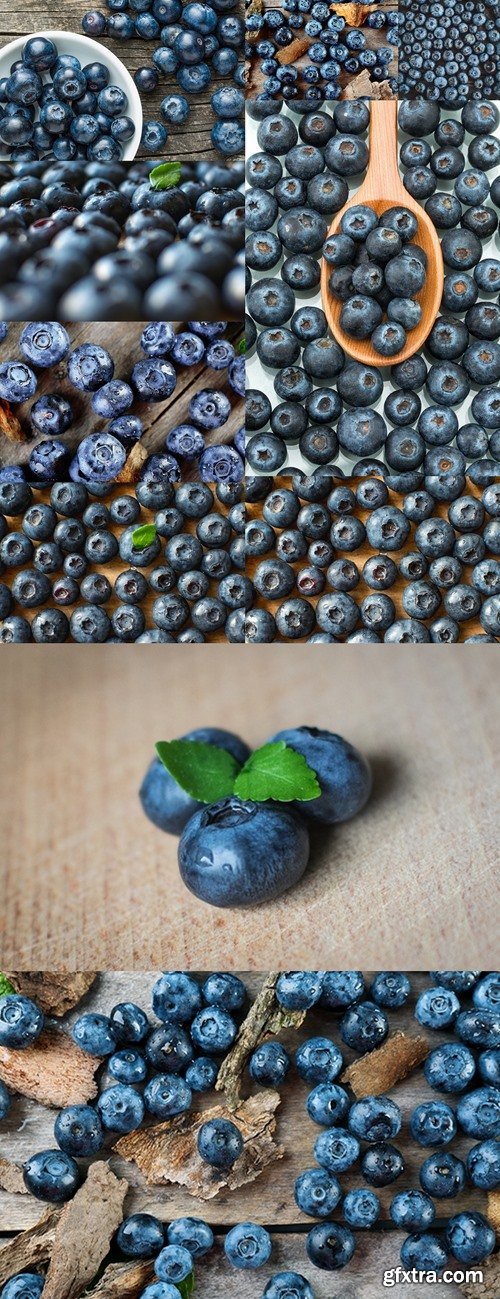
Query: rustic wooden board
[(88, 881), (270, 1199), (374, 39), (360, 556), (190, 141), (123, 341)]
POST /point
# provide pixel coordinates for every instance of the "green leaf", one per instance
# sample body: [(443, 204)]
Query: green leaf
[(142, 537), (5, 986), (186, 1287), (206, 772), (242, 346), (277, 772), (166, 175)]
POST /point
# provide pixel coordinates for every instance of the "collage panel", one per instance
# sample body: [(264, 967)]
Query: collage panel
[(221, 1133)]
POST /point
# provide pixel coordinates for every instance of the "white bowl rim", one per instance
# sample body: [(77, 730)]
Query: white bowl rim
[(100, 54)]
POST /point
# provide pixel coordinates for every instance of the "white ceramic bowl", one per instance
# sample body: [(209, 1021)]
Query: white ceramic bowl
[(87, 51)]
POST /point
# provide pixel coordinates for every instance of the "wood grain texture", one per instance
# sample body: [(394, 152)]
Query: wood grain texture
[(190, 141), (360, 556), (374, 39), (87, 880), (123, 341), (270, 1199)]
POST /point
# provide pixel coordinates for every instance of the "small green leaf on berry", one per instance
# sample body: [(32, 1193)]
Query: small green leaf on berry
[(279, 773), (165, 176), (242, 346), (206, 772), (6, 987), (143, 536), (186, 1286)]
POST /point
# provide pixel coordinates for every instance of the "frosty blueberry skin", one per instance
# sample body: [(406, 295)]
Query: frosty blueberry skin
[(164, 802), (343, 773), (237, 853)]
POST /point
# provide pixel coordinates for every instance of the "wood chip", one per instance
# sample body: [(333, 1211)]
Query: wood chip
[(362, 87), (133, 465), (378, 1071), (354, 14), (123, 1281), (294, 51), (493, 1210), (55, 994), (9, 424), (84, 1233), (266, 1018), (31, 1248), (53, 1071), (168, 1152), (489, 1287), (11, 1178)]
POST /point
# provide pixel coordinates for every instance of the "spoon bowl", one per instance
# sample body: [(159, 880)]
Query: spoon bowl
[(382, 179)]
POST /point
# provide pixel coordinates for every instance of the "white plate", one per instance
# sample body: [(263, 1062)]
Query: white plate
[(87, 51)]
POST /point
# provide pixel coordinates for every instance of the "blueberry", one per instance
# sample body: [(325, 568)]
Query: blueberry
[(167, 1095), (247, 1246), (336, 1150), (174, 1263), (288, 1285), (478, 1113), (328, 1104), (176, 996), (364, 1027), (78, 1131), (4, 1101), (192, 1234), (17, 381), (412, 1210), (25, 1285), (127, 1066), (390, 990), (213, 1029), (121, 1108), (437, 1007), (94, 1033), (318, 1060), (469, 1237), (236, 826), (317, 1193), (219, 1143), (361, 1209), (423, 1252), (201, 1075), (163, 801), (375, 1118), (51, 1175), (442, 1175), (343, 773), (330, 1246), (44, 344), (21, 1021), (299, 991), (269, 1064), (140, 1236)]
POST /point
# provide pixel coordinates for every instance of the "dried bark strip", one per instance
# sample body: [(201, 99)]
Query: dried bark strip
[(9, 424), (169, 1153), (53, 1071), (489, 1287), (55, 994), (382, 1069), (294, 51), (84, 1233), (493, 1210), (362, 87), (354, 14), (31, 1248), (11, 1178), (133, 465), (123, 1281), (265, 1019)]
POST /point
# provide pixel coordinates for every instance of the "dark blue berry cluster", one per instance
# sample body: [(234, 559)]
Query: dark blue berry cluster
[(100, 241), (83, 570), (339, 561), (193, 44), (102, 454), (449, 51), (303, 50), (378, 271)]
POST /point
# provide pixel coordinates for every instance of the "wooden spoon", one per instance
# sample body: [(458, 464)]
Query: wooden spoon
[(382, 178)]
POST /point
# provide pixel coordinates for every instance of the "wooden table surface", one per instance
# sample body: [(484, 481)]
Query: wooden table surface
[(269, 1200), (360, 556), (374, 39), (192, 139), (88, 881), (123, 340)]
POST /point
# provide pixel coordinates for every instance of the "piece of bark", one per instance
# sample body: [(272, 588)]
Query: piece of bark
[(123, 1281), (9, 424), (493, 1210), (266, 1018), (84, 1233), (362, 87), (353, 13), (11, 1178), (169, 1153), (31, 1248), (290, 53), (489, 1287), (53, 1071), (378, 1071), (55, 994), (133, 465)]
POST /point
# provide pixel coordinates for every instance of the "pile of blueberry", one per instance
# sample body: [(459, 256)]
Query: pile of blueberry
[(309, 582), (449, 50), (266, 842), (51, 106), (335, 53), (193, 43), (187, 573), (153, 1070), (377, 270), (95, 241), (328, 408), (102, 454)]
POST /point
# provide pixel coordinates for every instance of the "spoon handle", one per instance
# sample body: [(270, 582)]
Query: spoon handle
[(383, 177)]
